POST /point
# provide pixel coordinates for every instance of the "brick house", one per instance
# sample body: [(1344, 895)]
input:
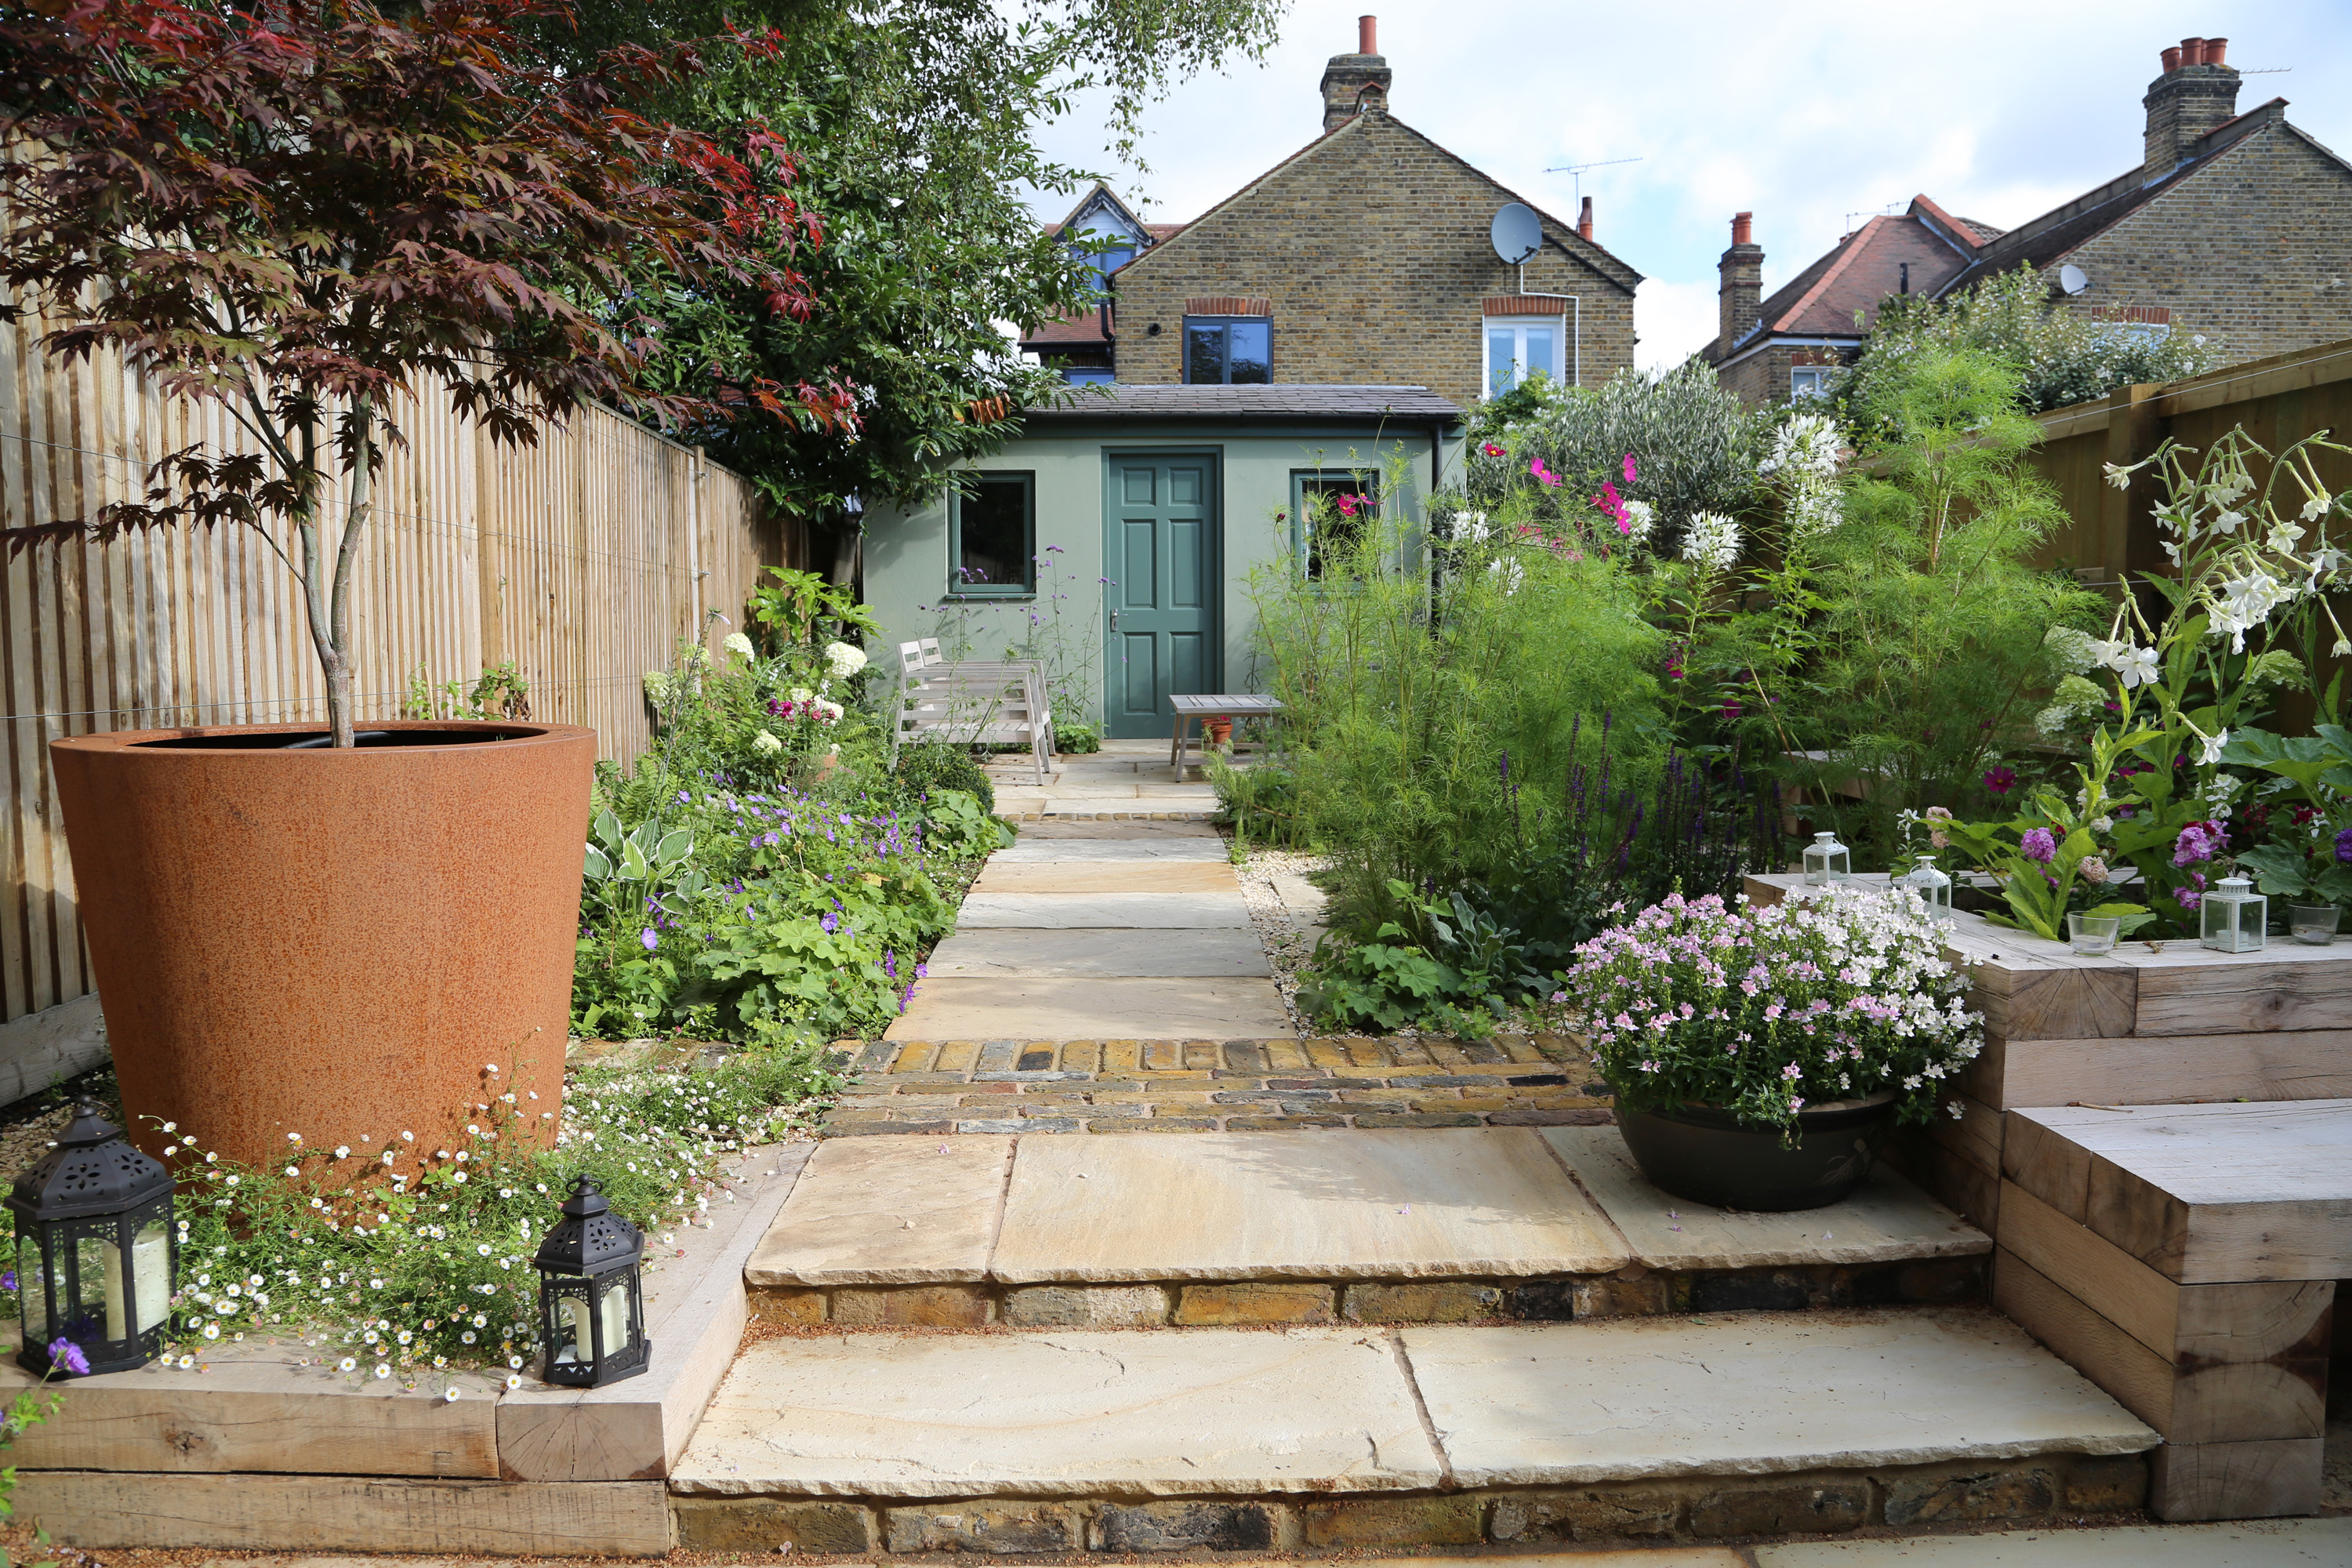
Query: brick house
[(2233, 226), (1079, 344), (1363, 259)]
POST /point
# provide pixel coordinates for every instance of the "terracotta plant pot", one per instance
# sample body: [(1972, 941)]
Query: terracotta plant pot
[(1220, 731), (334, 944), (1709, 1156)]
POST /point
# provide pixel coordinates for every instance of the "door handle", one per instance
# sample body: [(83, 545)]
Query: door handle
[(1114, 620)]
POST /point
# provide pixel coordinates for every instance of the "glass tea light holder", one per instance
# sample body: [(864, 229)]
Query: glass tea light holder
[(2314, 925), (2093, 934)]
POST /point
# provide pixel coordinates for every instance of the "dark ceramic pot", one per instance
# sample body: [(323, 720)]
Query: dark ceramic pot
[(1707, 1155)]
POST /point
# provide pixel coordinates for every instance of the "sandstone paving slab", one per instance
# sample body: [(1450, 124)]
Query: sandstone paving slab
[(1130, 876), (1888, 1220), (1047, 1008), (1073, 912), (888, 1211), (1061, 1414), (1168, 954), (2249, 1543), (1065, 847), (1388, 1204), (1753, 1394)]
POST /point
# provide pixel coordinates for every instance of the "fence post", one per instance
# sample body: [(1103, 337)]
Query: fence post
[(2127, 541)]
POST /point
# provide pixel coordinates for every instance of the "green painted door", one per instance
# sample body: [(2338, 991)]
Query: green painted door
[(1161, 550)]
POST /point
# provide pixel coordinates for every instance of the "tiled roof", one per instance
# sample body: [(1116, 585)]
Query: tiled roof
[(1079, 327), (1164, 230), (1861, 270), (1285, 400), (2064, 230)]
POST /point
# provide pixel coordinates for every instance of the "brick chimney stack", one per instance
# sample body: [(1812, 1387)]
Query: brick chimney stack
[(2198, 91), (1353, 84), (1742, 291), (1584, 220)]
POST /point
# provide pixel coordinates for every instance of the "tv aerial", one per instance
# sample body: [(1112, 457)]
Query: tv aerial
[(1576, 172), (1517, 233)]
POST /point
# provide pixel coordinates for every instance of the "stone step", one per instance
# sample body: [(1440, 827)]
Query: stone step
[(1727, 1427), (1369, 1225)]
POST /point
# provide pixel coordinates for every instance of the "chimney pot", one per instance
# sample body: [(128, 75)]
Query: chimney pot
[(2217, 51), (2171, 58), (2197, 92), (1368, 35), (1741, 225), (1584, 220), (2192, 51)]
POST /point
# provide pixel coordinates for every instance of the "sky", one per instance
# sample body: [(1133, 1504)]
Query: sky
[(1812, 115)]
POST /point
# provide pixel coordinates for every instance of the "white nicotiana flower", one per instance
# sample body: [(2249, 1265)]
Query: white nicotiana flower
[(1711, 540), (2133, 666), (739, 645), (843, 659), (2210, 751), (2315, 508)]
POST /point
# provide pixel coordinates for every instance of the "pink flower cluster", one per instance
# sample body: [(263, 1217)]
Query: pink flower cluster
[(2199, 841)]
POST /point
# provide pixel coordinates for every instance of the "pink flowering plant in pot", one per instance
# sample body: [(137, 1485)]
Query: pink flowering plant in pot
[(1761, 1053)]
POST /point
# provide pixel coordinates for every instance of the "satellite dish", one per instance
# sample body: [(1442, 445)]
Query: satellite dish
[(1517, 232), (2072, 280)]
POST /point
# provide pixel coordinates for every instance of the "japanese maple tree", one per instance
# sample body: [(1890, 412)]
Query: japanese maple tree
[(313, 213)]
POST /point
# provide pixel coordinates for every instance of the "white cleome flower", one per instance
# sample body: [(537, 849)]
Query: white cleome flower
[(843, 660), (1711, 539), (1641, 517)]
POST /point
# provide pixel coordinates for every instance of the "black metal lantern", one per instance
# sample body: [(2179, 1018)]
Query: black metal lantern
[(95, 1250), (592, 1313)]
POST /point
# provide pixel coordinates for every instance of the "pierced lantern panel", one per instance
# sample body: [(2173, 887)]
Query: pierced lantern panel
[(591, 1300), (96, 1253)]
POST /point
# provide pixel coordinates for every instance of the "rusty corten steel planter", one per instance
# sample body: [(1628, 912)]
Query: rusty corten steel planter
[(329, 943)]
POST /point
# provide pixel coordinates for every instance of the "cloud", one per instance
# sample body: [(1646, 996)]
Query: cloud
[(1812, 115)]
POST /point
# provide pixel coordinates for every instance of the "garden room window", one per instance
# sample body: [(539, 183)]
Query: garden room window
[(1810, 381), (992, 536), (1518, 347), (1329, 510), (1232, 351)]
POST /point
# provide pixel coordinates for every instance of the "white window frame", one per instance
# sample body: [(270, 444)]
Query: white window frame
[(1520, 368), (1809, 381)]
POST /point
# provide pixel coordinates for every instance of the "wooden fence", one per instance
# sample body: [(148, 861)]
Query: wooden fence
[(2278, 400), (581, 559)]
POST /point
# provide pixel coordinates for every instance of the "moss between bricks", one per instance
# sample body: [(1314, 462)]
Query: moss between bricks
[(1710, 1508)]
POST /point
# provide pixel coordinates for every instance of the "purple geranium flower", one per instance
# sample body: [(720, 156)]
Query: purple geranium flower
[(649, 939), (2344, 846), (832, 923), (2039, 843), (63, 1352)]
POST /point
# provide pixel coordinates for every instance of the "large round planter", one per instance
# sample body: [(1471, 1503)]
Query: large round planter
[(1707, 1155), (336, 944)]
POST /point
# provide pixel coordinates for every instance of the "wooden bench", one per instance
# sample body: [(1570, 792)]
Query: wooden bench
[(969, 702), (2185, 1259)]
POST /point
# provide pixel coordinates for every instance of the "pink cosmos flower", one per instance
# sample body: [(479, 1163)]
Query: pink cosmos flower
[(1544, 476), (1610, 505), (1630, 475), (1490, 450)]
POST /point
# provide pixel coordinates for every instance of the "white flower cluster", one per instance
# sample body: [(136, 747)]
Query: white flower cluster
[(1711, 539), (1641, 519), (1806, 456), (843, 660), (739, 645)]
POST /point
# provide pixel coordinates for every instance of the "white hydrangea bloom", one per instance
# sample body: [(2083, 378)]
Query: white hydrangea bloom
[(2072, 651), (843, 659), (1712, 540), (764, 743), (739, 645)]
